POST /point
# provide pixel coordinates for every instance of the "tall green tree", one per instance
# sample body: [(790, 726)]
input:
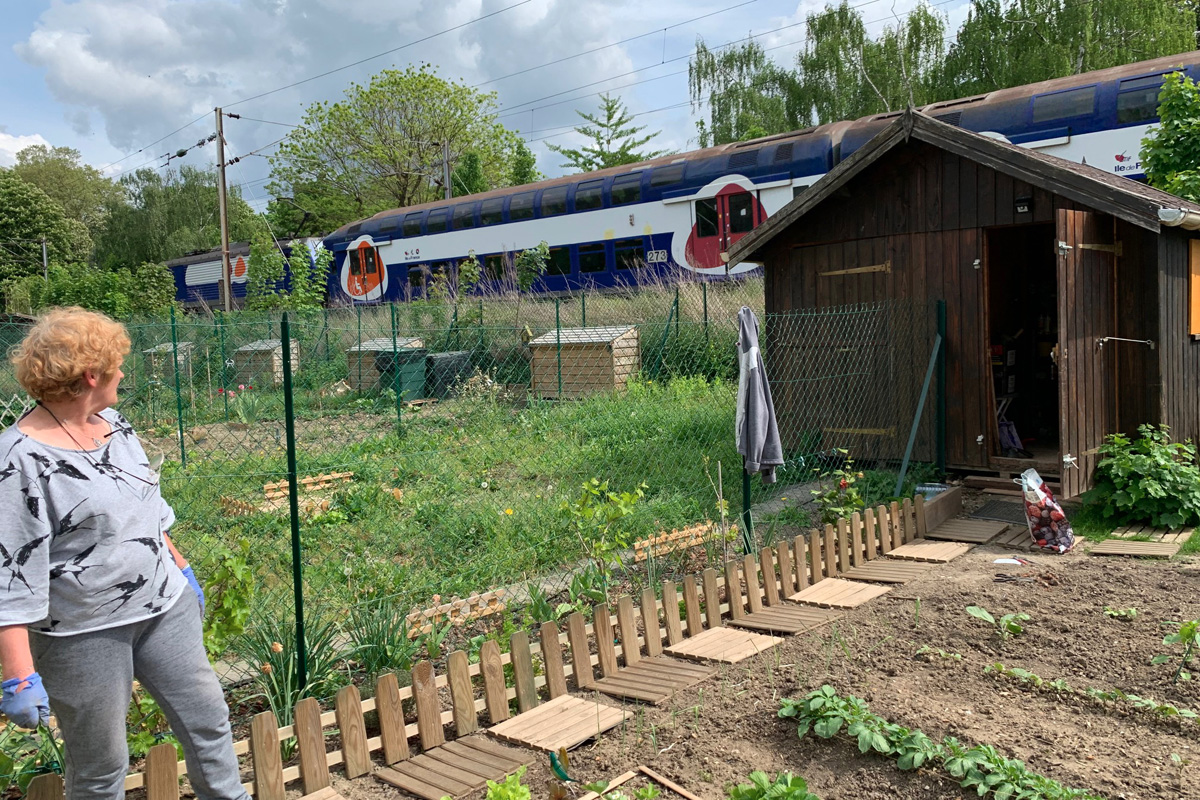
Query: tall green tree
[(27, 214), (748, 95), (381, 146), (1171, 151), (165, 216), (84, 194), (523, 165), (615, 140), (467, 177)]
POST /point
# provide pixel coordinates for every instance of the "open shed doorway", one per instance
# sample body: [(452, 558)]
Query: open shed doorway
[(1022, 326)]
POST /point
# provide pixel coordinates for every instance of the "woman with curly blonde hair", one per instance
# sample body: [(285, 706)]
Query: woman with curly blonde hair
[(96, 594)]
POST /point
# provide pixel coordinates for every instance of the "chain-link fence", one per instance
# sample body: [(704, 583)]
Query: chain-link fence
[(463, 468)]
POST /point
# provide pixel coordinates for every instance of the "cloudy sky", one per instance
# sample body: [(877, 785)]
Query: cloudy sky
[(118, 79)]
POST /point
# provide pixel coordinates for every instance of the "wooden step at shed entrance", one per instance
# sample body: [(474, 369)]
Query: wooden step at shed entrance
[(456, 768), (975, 531), (1155, 534), (838, 593), (653, 680), (566, 721), (787, 620), (724, 645), (930, 551), (1124, 547), (888, 571)]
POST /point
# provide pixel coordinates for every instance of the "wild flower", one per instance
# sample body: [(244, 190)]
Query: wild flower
[(508, 511)]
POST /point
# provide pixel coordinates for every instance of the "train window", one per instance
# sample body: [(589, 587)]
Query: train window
[(464, 216), (493, 267), (437, 220), (415, 277), (1139, 105), (369, 266), (521, 206), (492, 212), (554, 201), (741, 213), (591, 258), (560, 261), (1147, 82), (1062, 105), (665, 176), (390, 224), (631, 253), (412, 224), (625, 189), (589, 195), (355, 263), (706, 217)]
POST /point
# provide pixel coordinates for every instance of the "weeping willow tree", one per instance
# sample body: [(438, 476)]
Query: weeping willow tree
[(844, 72)]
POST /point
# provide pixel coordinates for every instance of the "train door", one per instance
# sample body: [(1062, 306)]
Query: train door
[(364, 279), (719, 222)]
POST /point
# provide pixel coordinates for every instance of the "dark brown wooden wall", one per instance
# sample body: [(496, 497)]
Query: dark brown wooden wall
[(925, 211), (1139, 385), (1179, 354)]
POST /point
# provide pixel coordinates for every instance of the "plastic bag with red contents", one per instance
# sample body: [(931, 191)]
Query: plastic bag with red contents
[(1048, 525)]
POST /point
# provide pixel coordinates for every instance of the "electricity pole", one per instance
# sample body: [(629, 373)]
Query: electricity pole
[(45, 263), (446, 169), (226, 276)]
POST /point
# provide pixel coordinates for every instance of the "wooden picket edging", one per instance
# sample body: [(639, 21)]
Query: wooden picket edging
[(748, 590), (692, 536), (275, 495), (456, 612)]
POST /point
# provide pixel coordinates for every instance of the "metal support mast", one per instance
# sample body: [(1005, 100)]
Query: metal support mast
[(226, 276)]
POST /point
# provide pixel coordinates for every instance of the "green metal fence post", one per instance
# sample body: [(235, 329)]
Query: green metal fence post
[(704, 290), (325, 329), (289, 415), (747, 520), (396, 367), (178, 393), (558, 342), (941, 390), (224, 362), (676, 313), (583, 309), (358, 311)]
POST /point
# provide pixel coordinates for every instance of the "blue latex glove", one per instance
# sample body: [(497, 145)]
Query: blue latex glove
[(27, 707), (196, 587)]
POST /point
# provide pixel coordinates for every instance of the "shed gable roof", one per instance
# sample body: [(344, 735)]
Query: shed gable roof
[(1121, 197)]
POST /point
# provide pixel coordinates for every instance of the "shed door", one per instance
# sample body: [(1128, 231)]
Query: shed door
[(1086, 364)]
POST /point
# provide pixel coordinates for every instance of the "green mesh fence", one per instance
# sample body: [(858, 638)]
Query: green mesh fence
[(441, 450)]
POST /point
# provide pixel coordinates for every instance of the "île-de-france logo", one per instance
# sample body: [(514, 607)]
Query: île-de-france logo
[(1123, 157)]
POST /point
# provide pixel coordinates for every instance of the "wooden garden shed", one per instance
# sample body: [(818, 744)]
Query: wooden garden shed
[(261, 361), (1072, 295), (577, 362)]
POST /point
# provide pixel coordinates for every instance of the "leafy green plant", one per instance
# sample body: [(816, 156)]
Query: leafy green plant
[(510, 788), (245, 404), (433, 640), (1146, 704), (1120, 613), (1188, 635), (647, 792), (838, 497), (1150, 480), (1028, 678), (826, 714), (229, 588), (786, 786), (26, 754), (597, 516), (379, 638), (146, 725), (541, 609), (1007, 626), (927, 653)]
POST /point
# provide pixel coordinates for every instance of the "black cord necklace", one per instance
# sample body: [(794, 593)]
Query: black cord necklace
[(99, 442)]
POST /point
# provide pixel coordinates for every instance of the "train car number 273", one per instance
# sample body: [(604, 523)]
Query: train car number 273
[(656, 256)]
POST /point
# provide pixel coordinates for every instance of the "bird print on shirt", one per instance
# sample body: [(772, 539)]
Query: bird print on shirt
[(15, 562), (57, 467), (68, 525), (127, 589), (75, 566)]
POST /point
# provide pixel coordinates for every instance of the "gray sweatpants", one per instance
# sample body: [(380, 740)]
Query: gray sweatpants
[(89, 678)]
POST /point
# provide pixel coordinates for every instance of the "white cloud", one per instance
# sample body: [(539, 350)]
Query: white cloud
[(10, 145)]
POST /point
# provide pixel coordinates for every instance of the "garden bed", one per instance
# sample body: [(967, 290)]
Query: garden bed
[(715, 734)]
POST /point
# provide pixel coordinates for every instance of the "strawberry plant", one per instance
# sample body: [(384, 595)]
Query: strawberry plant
[(786, 786), (1188, 635), (838, 497), (1007, 626), (1120, 613)]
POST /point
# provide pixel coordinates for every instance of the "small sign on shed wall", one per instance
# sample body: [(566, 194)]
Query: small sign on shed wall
[(584, 361)]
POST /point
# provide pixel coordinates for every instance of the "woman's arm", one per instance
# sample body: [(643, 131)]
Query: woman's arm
[(14, 652), (180, 561)]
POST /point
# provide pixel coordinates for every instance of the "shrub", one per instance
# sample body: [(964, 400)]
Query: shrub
[(1150, 480)]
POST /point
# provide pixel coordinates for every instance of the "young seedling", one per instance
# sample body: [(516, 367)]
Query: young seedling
[(1009, 625), (1120, 613), (1188, 636), (927, 653)]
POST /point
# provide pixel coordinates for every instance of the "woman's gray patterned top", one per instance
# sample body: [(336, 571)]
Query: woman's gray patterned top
[(82, 548)]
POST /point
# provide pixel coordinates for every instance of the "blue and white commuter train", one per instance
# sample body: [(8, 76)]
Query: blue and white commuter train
[(682, 212)]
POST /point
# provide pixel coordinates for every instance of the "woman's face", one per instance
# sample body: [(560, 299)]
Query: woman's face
[(106, 389)]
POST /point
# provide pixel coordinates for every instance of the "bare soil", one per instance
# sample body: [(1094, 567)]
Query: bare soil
[(715, 734)]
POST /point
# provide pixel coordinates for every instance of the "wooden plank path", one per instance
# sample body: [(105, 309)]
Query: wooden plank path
[(455, 768), (930, 551), (838, 593), (1015, 538), (1126, 547), (787, 620), (724, 645), (974, 531), (566, 721), (1155, 534), (888, 571), (654, 680)]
